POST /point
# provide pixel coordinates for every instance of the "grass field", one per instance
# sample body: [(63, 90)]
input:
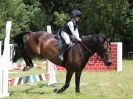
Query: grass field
[(94, 85)]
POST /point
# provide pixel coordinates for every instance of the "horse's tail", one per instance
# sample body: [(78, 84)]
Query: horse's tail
[(19, 36), (19, 40)]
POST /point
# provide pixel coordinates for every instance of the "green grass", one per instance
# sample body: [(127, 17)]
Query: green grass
[(94, 85)]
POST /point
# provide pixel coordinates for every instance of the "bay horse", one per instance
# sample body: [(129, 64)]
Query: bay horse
[(34, 44)]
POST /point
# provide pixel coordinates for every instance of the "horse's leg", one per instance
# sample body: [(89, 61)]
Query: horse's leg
[(77, 80), (68, 79), (28, 62)]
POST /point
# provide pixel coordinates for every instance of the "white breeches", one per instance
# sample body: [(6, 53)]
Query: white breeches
[(66, 37)]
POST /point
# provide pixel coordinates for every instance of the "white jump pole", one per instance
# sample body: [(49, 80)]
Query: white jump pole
[(119, 56), (0, 53), (50, 66), (5, 62)]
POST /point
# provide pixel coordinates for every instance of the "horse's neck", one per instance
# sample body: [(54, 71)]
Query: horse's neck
[(89, 47), (84, 50)]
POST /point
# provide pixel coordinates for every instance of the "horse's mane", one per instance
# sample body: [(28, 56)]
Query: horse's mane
[(86, 36), (89, 38), (94, 37)]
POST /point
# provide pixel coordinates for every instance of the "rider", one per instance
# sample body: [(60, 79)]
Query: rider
[(70, 29)]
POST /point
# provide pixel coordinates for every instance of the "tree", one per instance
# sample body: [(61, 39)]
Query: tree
[(15, 11), (58, 11), (112, 17), (24, 17), (106, 16), (37, 15)]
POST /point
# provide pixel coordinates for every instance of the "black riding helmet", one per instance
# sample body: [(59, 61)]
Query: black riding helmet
[(75, 13)]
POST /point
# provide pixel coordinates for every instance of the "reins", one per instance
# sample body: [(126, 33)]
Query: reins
[(97, 57)]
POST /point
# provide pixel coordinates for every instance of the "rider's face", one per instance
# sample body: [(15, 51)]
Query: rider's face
[(77, 19)]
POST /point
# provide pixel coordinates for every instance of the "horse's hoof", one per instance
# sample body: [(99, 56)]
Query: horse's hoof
[(58, 91), (26, 68), (77, 91), (55, 90)]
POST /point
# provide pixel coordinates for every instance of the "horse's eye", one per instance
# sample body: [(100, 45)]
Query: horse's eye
[(105, 45)]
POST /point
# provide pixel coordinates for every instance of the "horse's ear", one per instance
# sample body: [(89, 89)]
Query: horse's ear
[(102, 37), (109, 40)]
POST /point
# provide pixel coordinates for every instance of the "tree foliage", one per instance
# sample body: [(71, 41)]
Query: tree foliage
[(108, 16), (24, 17), (15, 11)]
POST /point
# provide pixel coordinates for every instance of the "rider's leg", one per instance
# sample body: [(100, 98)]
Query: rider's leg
[(66, 38)]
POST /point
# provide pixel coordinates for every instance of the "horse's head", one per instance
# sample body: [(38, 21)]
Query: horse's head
[(103, 49)]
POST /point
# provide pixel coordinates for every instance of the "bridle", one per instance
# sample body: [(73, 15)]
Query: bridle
[(97, 57), (89, 50)]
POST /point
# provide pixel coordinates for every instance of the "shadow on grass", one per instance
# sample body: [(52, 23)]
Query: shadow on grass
[(33, 90)]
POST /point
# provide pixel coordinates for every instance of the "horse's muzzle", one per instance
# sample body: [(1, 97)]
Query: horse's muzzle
[(109, 62)]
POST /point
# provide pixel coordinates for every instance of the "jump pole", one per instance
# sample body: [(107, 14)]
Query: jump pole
[(5, 62), (119, 56), (50, 67)]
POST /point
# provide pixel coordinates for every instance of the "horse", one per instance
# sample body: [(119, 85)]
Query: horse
[(41, 43)]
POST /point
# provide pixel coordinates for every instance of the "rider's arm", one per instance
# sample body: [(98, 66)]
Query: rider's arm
[(77, 32), (74, 33)]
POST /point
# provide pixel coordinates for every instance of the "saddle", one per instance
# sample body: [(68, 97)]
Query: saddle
[(61, 45)]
